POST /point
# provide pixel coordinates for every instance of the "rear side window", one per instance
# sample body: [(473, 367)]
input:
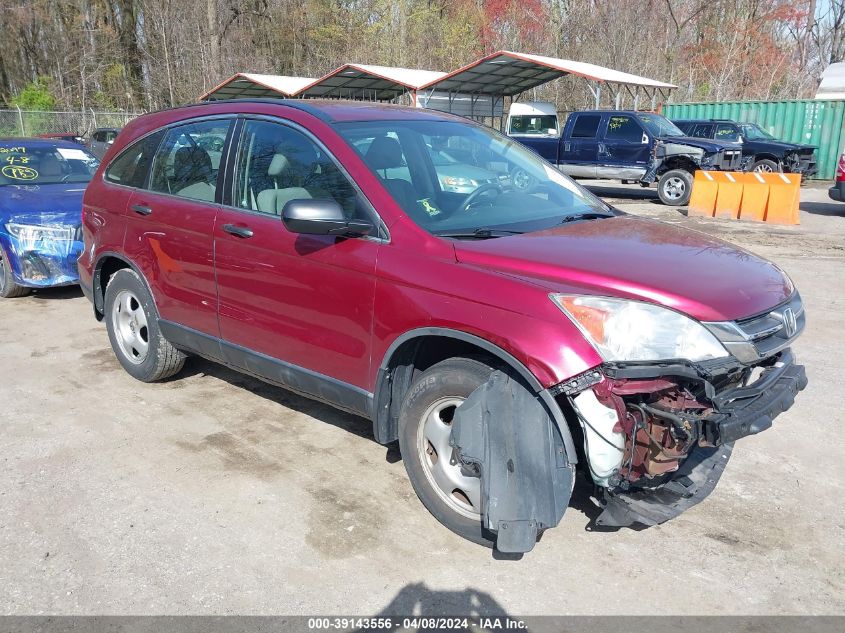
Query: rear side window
[(133, 164), (586, 126), (188, 159), (699, 130), (624, 128)]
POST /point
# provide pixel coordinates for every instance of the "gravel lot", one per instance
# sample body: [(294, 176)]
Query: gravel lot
[(217, 494)]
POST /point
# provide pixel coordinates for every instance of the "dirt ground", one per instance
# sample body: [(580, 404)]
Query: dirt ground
[(216, 494)]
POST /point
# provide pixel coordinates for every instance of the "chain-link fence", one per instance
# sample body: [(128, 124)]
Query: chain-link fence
[(31, 123)]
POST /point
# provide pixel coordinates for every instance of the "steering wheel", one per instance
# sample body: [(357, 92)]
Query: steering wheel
[(471, 198)]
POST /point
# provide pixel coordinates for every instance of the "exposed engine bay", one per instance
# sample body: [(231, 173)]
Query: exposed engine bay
[(655, 439), (639, 432)]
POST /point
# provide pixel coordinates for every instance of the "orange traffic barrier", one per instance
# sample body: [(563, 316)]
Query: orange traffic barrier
[(784, 198), (705, 188), (728, 196), (755, 196)]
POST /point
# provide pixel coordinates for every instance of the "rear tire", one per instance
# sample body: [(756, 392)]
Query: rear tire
[(9, 289), (675, 187), (428, 408), (132, 325)]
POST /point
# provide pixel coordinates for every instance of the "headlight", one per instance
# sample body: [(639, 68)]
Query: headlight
[(623, 330), (36, 232)]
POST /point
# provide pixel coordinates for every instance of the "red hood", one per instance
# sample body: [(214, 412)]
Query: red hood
[(632, 257)]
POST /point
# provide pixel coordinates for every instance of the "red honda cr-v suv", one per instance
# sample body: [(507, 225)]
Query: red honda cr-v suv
[(499, 321)]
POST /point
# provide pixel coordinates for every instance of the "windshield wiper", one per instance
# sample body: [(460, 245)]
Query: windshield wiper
[(481, 233), (589, 215)]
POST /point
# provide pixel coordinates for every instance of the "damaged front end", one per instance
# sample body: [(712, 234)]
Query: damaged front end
[(43, 249), (657, 437), (671, 155)]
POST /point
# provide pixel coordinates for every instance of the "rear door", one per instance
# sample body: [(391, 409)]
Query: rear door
[(169, 226), (581, 146), (625, 149), (294, 308)]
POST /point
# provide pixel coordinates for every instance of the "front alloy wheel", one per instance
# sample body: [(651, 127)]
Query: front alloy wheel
[(675, 187), (450, 492), (8, 288), (442, 469)]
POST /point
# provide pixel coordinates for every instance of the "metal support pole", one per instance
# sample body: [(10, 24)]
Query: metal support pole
[(20, 120)]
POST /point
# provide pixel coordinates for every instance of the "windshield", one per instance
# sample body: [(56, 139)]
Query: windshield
[(28, 164), (533, 124), (658, 125), (454, 178), (752, 132)]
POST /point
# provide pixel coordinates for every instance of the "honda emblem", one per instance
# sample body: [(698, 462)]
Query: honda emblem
[(790, 325)]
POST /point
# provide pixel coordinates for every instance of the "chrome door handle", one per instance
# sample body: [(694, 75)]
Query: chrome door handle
[(141, 209)]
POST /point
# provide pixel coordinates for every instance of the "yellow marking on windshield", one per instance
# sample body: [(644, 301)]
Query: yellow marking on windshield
[(16, 172)]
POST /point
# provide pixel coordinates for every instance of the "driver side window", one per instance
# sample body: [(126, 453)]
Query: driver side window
[(277, 164), (726, 132), (624, 128)]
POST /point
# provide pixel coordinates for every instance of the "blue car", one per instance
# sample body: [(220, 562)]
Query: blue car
[(41, 187)]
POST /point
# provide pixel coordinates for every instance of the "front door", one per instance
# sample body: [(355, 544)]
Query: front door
[(626, 146), (297, 306)]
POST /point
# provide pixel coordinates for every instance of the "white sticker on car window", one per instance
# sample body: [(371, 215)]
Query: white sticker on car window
[(72, 154)]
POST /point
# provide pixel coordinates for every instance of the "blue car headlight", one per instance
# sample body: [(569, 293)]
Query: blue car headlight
[(32, 233)]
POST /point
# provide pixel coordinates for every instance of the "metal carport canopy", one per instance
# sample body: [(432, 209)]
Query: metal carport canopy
[(505, 73), (363, 81), (253, 85)]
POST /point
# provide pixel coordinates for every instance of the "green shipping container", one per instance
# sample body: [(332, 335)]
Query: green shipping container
[(809, 122)]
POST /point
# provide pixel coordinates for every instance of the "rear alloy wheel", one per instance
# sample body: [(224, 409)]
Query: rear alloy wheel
[(8, 288), (133, 330), (451, 494), (766, 166), (675, 187)]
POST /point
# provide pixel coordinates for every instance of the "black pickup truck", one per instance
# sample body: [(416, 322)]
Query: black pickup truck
[(634, 146), (760, 149)]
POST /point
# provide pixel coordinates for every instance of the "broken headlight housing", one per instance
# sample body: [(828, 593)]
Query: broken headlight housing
[(623, 330), (35, 232)]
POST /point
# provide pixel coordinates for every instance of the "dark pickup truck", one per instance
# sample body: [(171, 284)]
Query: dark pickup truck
[(634, 146), (760, 149)]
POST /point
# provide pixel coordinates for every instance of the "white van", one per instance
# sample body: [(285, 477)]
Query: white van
[(532, 118)]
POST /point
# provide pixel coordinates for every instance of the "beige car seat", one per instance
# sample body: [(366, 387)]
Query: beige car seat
[(192, 173), (274, 200)]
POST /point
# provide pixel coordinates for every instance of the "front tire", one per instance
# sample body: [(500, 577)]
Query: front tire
[(766, 166), (424, 428), (675, 187), (9, 289), (132, 325)]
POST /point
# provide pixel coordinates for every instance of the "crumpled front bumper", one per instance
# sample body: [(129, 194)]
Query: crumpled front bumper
[(44, 263), (737, 413)]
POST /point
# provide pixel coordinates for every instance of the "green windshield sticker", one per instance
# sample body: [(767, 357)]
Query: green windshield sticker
[(617, 121), (17, 172), (428, 207)]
